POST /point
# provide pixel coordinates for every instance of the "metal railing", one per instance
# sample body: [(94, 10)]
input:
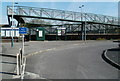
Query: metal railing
[(21, 60), (61, 15)]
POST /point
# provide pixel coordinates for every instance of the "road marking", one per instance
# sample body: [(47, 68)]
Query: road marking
[(37, 52), (50, 49), (83, 73), (76, 44), (40, 51), (82, 70), (33, 76)]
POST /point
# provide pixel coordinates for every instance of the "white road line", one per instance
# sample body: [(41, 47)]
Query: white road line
[(50, 49), (33, 76), (76, 44), (83, 73)]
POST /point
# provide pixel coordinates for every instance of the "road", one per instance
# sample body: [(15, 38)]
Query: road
[(74, 61)]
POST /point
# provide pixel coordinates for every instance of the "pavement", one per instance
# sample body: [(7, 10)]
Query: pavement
[(112, 57), (52, 50), (8, 62), (113, 54)]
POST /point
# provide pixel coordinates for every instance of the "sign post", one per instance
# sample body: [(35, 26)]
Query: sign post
[(23, 31)]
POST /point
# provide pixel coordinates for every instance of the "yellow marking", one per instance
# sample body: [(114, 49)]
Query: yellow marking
[(39, 52)]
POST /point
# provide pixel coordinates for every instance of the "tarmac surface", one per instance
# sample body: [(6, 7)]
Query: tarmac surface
[(61, 60), (8, 63), (77, 60)]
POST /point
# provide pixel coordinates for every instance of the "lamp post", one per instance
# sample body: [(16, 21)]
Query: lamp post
[(81, 19), (81, 11), (12, 41), (12, 27)]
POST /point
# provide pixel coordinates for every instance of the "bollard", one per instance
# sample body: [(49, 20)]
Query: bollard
[(20, 64), (21, 54), (21, 59), (18, 73)]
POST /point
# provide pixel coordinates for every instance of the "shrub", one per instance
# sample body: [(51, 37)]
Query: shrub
[(100, 39)]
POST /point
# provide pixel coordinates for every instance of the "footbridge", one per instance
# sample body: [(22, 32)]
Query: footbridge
[(76, 23)]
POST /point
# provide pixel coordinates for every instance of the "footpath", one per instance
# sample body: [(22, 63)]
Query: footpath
[(112, 56), (8, 62)]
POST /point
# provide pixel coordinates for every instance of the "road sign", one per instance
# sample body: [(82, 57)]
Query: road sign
[(23, 30), (61, 31)]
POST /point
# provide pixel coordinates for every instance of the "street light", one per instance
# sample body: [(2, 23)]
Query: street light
[(12, 41), (81, 18), (12, 27), (81, 11)]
